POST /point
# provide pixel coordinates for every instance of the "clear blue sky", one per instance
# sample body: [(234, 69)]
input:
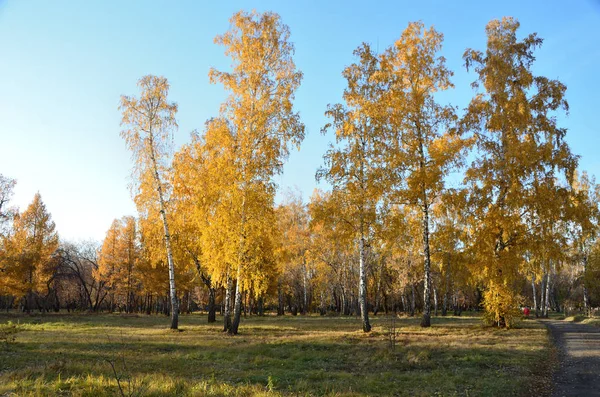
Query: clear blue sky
[(64, 64)]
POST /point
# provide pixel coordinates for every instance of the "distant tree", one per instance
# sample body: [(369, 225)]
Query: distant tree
[(29, 251), (6, 215), (450, 241), (7, 186), (149, 122), (79, 262), (585, 227), (117, 261), (333, 252), (294, 244)]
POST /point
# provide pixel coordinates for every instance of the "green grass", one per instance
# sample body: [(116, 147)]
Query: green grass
[(457, 356)]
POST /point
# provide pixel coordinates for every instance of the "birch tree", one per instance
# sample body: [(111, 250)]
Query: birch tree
[(258, 124), (585, 228), (7, 186), (7, 213), (149, 123), (354, 166), (424, 146), (521, 153)]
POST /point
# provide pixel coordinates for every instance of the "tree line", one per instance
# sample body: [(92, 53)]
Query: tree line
[(390, 235)]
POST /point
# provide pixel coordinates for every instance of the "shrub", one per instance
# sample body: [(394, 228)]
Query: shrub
[(501, 305)]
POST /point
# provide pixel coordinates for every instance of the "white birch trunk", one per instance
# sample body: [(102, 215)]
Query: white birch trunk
[(535, 305), (362, 290), (426, 320), (163, 215)]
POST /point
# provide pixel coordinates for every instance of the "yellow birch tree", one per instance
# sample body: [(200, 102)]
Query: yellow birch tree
[(424, 146), (257, 124), (521, 153), (354, 167)]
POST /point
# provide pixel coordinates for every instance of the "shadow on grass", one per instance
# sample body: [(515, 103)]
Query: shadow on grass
[(310, 355)]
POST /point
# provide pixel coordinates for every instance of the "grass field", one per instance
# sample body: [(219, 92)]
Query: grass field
[(74, 355)]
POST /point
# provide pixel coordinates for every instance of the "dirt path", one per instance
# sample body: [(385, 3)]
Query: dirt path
[(579, 369)]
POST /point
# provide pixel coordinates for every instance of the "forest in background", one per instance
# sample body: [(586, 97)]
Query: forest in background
[(389, 235)]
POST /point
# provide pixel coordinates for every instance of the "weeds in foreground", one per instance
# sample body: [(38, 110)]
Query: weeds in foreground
[(128, 386)]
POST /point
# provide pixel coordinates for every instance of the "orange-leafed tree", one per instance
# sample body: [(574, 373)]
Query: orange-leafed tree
[(584, 230), (293, 259), (117, 264), (256, 126), (29, 250), (513, 184)]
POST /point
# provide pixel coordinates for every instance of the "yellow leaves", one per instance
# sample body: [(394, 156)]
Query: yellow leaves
[(501, 304), (119, 255), (148, 124), (519, 205), (28, 250), (228, 171)]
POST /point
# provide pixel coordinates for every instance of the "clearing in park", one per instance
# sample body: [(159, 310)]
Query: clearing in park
[(76, 354)]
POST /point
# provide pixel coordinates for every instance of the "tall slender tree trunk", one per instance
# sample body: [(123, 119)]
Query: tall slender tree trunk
[(212, 307), (586, 299), (227, 308), (163, 215), (413, 302), (212, 292), (237, 306), (542, 294), (547, 294), (435, 302), (426, 320), (261, 306), (445, 304), (362, 286), (304, 290), (172, 289), (535, 305), (280, 301)]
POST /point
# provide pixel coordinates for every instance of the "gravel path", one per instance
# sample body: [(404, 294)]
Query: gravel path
[(579, 369)]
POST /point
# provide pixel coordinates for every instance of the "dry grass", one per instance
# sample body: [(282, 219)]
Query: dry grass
[(457, 356)]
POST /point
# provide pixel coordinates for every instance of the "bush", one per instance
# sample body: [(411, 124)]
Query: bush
[(501, 305)]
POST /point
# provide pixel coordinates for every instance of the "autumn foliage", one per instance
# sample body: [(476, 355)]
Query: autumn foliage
[(386, 233)]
